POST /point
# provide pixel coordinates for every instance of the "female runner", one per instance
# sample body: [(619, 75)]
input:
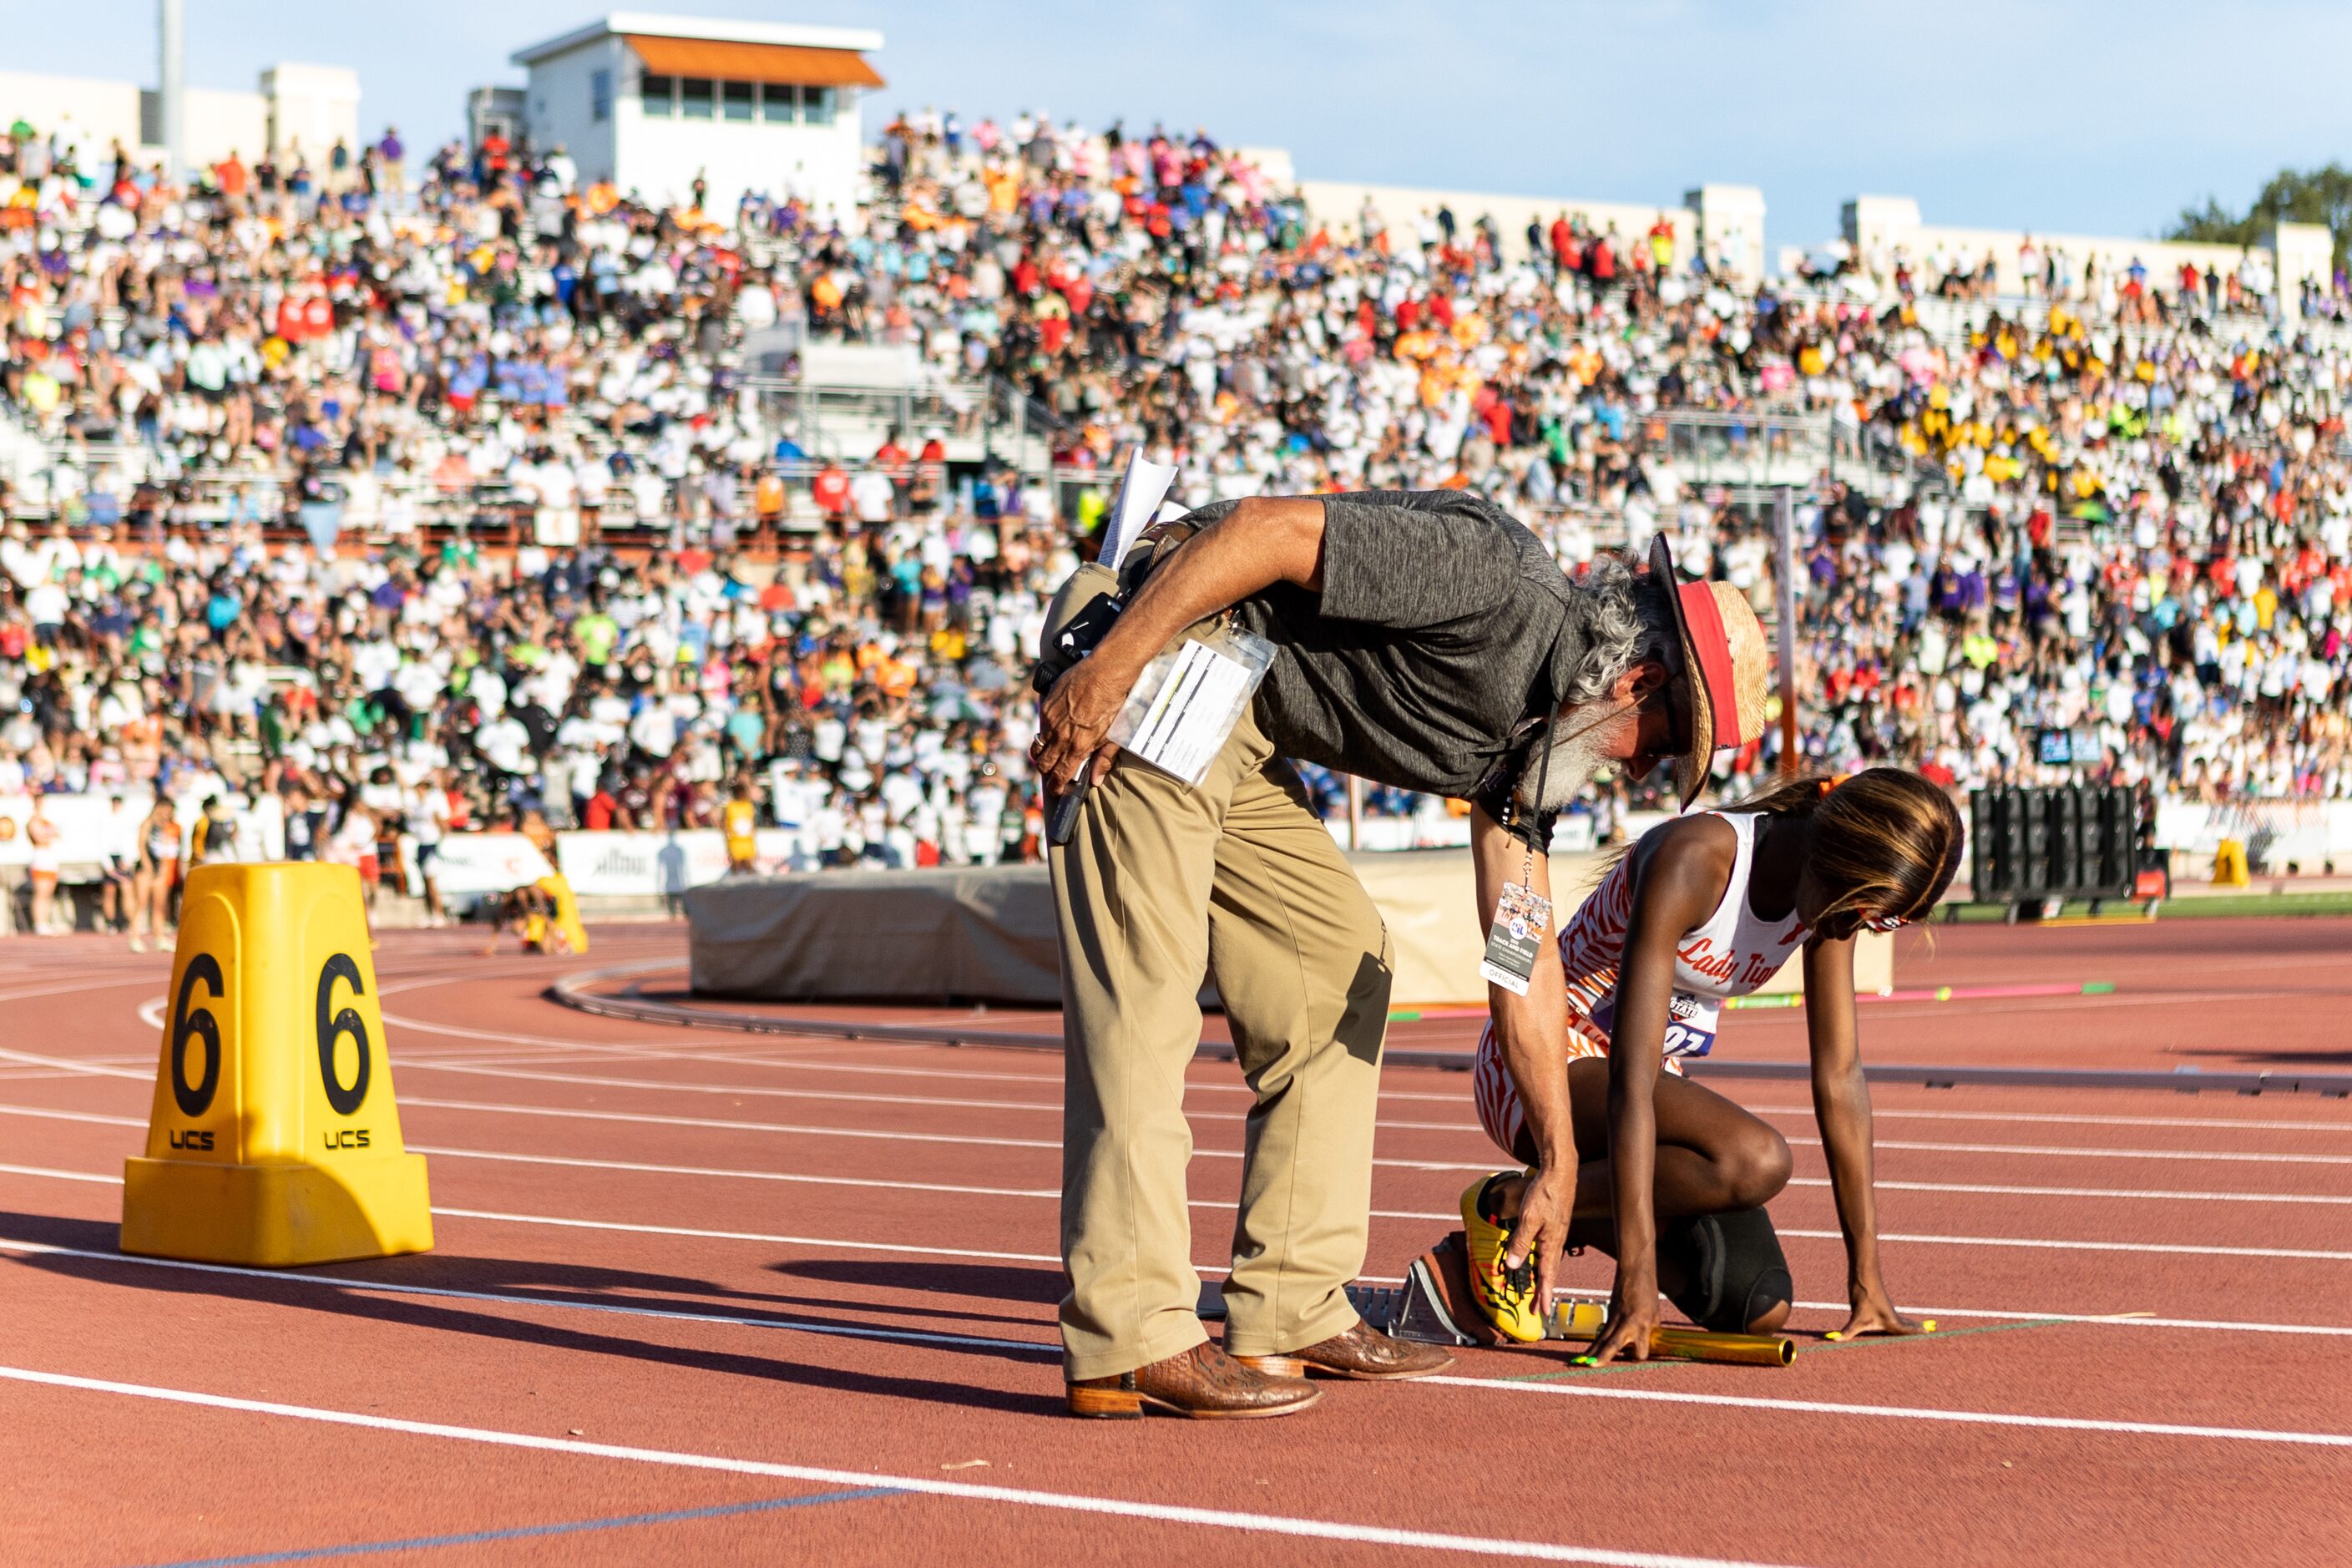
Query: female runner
[(1669, 1175)]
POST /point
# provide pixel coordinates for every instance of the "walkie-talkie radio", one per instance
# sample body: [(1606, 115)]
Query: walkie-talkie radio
[(1082, 612)]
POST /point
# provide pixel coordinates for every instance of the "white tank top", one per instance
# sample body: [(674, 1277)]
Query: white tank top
[(1730, 953)]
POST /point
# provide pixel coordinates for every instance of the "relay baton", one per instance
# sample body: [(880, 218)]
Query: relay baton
[(1588, 1320)]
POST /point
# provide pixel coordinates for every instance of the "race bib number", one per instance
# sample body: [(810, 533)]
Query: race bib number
[(1690, 1023), (1690, 1031)]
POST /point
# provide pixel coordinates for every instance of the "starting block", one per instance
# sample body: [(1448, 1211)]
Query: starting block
[(1433, 1307), (274, 1140)]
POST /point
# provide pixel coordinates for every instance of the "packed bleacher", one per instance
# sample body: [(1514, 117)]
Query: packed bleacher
[(462, 495)]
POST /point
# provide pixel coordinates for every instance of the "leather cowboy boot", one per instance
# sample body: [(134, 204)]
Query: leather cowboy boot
[(1204, 1382), (1363, 1353)]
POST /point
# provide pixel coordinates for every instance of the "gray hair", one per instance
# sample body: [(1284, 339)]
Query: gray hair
[(1623, 626)]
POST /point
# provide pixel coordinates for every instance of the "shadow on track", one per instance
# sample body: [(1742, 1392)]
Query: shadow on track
[(454, 1318), (592, 1283), (2250, 1058), (986, 1281)]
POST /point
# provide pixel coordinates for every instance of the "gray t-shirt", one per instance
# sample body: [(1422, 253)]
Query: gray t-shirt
[(1443, 626)]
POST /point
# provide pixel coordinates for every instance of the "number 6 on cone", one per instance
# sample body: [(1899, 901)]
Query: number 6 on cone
[(274, 1140)]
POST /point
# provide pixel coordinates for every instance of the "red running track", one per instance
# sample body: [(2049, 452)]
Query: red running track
[(720, 1297)]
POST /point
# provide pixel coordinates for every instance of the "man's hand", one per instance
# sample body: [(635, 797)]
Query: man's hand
[(1632, 1317), (1075, 716), (1541, 1230), (1874, 1313)]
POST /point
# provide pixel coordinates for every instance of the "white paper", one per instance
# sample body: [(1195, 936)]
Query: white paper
[(1140, 490), (1193, 712), (1183, 707)]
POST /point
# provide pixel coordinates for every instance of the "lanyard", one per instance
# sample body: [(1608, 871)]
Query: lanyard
[(1543, 779)]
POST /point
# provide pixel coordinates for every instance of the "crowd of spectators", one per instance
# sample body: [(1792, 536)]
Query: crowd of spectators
[(2103, 531)]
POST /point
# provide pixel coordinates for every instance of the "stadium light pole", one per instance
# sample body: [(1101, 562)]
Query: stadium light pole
[(170, 84), (1784, 531)]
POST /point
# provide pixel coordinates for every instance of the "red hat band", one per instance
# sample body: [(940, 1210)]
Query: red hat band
[(1713, 646)]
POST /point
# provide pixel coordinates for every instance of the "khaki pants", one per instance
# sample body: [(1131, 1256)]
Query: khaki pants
[(1161, 882)]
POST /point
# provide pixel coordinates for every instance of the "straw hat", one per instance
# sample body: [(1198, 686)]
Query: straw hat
[(1725, 662)]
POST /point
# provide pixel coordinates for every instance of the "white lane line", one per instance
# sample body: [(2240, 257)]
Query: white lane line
[(2181, 1248), (654, 1051), (1994, 1189), (736, 1090), (897, 1184), (2217, 1122), (819, 1042), (1989, 1313), (441, 1152), (2045, 1152), (1166, 1513), (725, 1125), (62, 1175), (88, 1070), (650, 1051), (763, 1090), (813, 1241), (47, 1114), (564, 1224), (894, 1185), (877, 1183), (1884, 1184), (768, 1090), (2006, 1149), (140, 977), (1911, 1413), (508, 1299), (560, 1113)]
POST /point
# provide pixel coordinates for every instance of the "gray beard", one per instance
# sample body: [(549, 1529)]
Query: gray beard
[(1574, 760)]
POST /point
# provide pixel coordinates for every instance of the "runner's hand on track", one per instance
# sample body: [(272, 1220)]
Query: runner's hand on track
[(1074, 719), (1632, 1319), (1541, 1230), (1874, 1314)]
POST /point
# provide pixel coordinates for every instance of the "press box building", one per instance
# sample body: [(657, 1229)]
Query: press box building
[(650, 102)]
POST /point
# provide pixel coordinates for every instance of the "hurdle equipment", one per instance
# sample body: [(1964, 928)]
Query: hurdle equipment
[(274, 1140)]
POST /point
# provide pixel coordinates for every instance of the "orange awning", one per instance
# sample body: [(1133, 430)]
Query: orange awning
[(781, 64)]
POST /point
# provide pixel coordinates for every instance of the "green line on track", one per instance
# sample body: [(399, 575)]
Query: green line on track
[(1801, 1350)]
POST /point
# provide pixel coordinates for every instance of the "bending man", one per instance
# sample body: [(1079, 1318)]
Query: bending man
[(1425, 641)]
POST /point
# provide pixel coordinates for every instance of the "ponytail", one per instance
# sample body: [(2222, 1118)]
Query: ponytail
[(1884, 839)]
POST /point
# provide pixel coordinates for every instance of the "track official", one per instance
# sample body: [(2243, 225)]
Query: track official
[(1425, 641)]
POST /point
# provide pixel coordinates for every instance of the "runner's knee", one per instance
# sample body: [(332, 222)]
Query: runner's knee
[(1757, 1169)]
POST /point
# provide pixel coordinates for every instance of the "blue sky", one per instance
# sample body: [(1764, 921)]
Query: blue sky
[(2057, 115)]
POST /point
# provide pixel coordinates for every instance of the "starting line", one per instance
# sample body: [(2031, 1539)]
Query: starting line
[(961, 1491)]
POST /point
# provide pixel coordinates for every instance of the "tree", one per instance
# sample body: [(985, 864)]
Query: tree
[(2321, 195)]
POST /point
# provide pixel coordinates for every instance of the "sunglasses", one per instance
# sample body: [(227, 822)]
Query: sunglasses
[(1678, 719), (1846, 924)]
